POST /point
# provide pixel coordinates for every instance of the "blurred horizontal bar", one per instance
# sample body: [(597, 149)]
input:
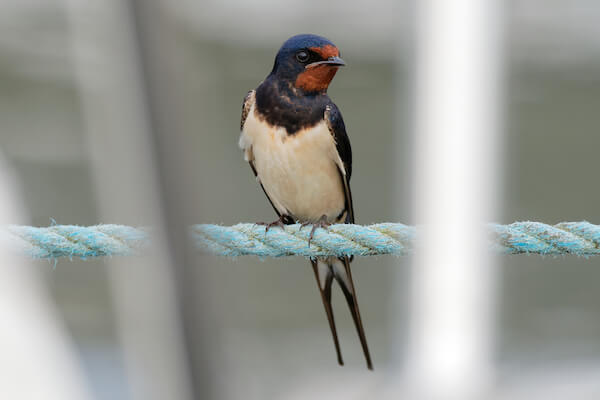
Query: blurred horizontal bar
[(566, 238)]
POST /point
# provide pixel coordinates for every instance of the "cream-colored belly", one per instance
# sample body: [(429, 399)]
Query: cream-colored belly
[(299, 172)]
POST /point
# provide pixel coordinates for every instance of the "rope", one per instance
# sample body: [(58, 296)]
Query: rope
[(76, 241), (578, 238)]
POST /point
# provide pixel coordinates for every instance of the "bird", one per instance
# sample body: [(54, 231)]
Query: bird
[(294, 138)]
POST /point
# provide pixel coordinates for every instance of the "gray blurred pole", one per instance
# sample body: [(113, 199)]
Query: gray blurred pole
[(456, 127), (163, 69), (37, 359), (119, 131)]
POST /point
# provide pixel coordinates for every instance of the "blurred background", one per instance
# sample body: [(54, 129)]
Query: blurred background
[(117, 112)]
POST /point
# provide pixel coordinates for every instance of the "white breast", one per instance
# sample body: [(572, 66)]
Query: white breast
[(299, 172)]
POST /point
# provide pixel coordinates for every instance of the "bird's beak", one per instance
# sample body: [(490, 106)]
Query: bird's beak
[(331, 61)]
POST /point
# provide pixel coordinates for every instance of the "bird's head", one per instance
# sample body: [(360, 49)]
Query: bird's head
[(307, 62)]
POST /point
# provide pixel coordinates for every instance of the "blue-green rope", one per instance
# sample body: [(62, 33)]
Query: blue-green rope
[(578, 238)]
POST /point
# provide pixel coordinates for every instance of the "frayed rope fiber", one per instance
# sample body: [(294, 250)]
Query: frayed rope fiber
[(578, 238)]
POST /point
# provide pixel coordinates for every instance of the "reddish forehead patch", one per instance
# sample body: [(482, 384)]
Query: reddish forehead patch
[(326, 51)]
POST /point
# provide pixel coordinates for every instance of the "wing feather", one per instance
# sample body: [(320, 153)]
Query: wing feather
[(246, 106), (335, 122)]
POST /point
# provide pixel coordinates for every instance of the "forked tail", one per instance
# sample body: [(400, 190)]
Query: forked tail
[(339, 268)]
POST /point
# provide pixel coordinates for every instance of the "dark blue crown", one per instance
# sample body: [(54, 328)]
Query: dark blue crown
[(285, 65), (303, 41)]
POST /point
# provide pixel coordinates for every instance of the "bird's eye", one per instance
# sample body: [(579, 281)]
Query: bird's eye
[(302, 56)]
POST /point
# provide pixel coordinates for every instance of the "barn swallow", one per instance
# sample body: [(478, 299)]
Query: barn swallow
[(295, 140)]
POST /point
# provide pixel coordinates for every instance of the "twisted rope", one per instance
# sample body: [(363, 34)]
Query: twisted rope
[(578, 238), (76, 241)]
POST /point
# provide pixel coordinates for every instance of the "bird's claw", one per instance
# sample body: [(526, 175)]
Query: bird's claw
[(278, 222), (321, 223)]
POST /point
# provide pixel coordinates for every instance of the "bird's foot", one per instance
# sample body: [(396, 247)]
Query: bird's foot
[(321, 223), (278, 222)]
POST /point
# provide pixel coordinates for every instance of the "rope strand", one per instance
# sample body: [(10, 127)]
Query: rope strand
[(577, 238)]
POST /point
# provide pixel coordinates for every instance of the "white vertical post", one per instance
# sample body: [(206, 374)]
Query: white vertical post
[(456, 136), (37, 359)]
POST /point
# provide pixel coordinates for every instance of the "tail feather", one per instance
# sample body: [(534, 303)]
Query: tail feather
[(339, 268), (324, 276), (343, 275)]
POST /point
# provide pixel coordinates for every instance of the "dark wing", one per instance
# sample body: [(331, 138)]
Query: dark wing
[(248, 101), (335, 122), (341, 266)]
